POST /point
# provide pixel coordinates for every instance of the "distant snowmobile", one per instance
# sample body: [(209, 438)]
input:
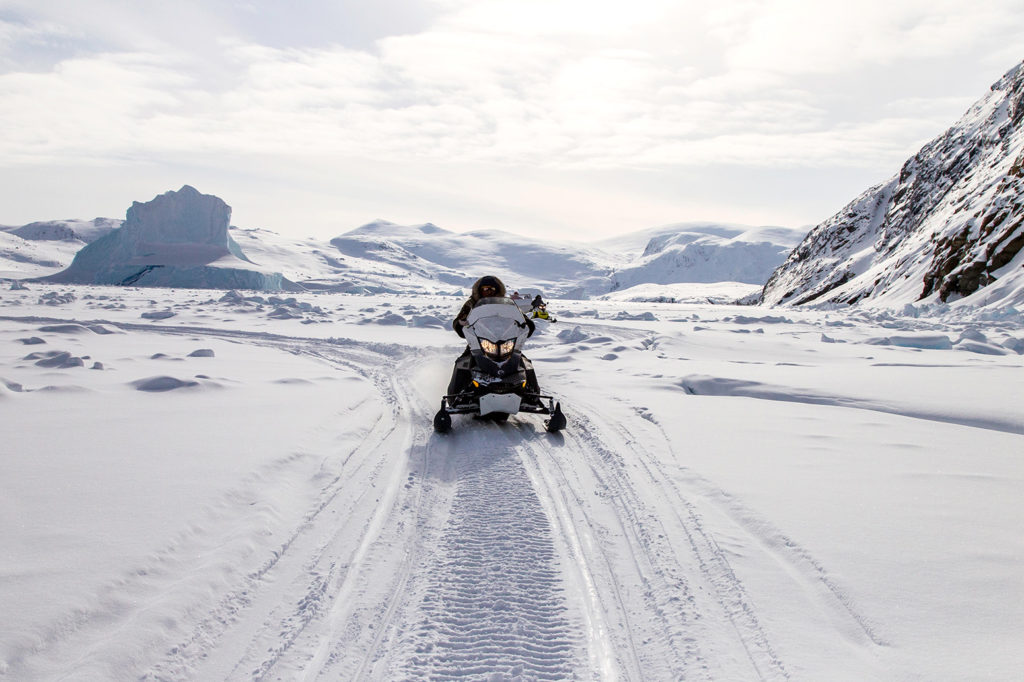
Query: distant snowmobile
[(541, 313), (496, 380)]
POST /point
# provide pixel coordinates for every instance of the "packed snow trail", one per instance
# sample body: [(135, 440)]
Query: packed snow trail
[(493, 601)]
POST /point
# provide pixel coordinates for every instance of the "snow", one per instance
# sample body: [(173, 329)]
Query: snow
[(250, 487)]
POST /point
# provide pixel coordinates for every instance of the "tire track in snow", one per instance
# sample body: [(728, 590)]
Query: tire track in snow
[(771, 541), (648, 570), (364, 650), (352, 612), (678, 497), (577, 535), (310, 568), (204, 625), (665, 582), (494, 603), (713, 563)]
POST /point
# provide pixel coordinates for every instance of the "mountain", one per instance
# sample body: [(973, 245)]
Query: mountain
[(949, 226), (85, 231), (383, 257), (40, 248), (459, 259), (704, 253), (179, 239)]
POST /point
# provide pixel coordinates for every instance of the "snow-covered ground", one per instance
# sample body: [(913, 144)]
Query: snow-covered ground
[(205, 486)]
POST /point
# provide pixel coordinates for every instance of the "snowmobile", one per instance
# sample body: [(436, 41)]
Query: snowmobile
[(541, 313), (494, 380)]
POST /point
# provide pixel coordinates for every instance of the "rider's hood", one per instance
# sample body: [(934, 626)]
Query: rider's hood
[(476, 287)]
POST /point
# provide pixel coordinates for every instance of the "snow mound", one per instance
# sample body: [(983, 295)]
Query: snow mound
[(55, 359), (161, 384), (574, 335), (918, 341)]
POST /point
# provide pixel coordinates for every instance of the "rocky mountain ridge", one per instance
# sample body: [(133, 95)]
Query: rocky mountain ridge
[(948, 226)]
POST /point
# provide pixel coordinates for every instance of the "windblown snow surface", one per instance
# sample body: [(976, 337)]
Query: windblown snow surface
[(204, 485)]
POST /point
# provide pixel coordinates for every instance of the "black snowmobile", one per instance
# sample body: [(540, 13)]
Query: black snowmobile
[(494, 380)]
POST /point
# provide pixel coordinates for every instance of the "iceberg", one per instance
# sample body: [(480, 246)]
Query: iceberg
[(179, 239)]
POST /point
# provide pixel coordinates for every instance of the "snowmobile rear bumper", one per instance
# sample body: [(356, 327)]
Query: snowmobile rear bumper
[(469, 403)]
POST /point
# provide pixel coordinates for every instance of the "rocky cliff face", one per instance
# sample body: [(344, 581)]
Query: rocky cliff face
[(949, 226)]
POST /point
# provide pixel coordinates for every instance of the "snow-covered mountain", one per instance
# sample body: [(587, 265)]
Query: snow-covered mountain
[(382, 257), (706, 252), (949, 226), (460, 258), (41, 248), (86, 231)]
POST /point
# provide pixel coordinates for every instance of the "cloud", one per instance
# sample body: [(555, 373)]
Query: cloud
[(519, 87), (75, 110), (811, 36)]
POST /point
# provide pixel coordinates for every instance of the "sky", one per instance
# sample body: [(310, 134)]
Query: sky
[(558, 119)]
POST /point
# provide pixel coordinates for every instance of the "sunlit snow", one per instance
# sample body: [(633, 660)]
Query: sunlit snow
[(207, 485)]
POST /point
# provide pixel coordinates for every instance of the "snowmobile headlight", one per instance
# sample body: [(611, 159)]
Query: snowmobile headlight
[(488, 347), (507, 346)]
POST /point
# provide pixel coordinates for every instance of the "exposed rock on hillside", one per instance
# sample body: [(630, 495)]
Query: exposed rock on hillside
[(948, 226)]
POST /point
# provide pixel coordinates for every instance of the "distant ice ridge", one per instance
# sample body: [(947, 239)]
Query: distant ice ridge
[(179, 239)]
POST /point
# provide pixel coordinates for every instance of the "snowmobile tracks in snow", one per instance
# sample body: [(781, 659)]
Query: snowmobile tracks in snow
[(497, 552), (494, 603), (684, 535)]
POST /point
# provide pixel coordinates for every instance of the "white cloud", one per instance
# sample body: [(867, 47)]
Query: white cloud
[(815, 36)]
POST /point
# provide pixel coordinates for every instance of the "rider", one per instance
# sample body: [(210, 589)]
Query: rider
[(487, 286)]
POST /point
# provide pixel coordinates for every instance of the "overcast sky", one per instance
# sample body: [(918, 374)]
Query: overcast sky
[(565, 119)]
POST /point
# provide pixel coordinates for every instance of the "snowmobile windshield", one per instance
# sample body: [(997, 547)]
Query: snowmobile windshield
[(490, 300), (496, 319)]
